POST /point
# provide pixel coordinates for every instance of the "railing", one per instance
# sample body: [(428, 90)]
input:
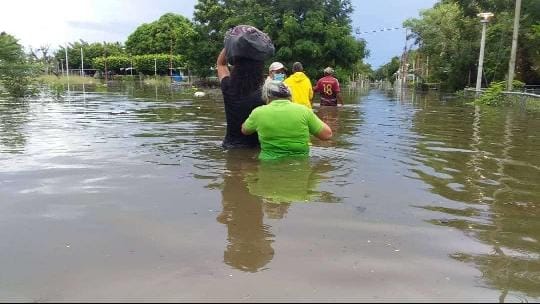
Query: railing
[(514, 93), (534, 89)]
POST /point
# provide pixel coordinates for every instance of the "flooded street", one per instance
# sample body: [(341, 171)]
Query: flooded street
[(125, 194)]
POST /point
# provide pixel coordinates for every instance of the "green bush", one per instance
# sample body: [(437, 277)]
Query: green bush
[(493, 96), (115, 64), (141, 63), (18, 79)]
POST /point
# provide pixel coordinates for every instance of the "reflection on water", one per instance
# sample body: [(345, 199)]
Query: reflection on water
[(487, 162), (403, 169), (290, 180), (252, 189), (13, 117), (250, 241)]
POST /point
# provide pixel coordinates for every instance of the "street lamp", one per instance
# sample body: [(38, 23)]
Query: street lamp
[(485, 20)]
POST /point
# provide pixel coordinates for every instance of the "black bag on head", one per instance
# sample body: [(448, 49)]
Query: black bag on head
[(246, 41)]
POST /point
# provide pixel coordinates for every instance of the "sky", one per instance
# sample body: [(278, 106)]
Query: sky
[(56, 22)]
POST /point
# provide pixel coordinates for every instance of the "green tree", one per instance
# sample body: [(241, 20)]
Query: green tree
[(141, 63), (316, 32), (17, 74), (91, 51), (449, 33), (388, 71), (170, 33), (10, 50), (445, 35)]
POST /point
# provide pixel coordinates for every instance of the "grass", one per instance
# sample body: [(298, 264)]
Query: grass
[(157, 81), (55, 81)]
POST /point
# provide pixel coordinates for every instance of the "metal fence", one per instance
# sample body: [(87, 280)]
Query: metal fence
[(527, 93)]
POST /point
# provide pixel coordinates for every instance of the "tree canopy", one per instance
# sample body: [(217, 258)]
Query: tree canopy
[(91, 51), (316, 32), (170, 33), (449, 34), (10, 49), (16, 72)]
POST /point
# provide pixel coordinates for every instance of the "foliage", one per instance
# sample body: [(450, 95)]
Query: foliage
[(444, 35), (91, 51), (493, 95), (10, 50), (171, 33), (449, 33), (387, 71), (142, 63), (16, 72), (43, 57), (315, 32)]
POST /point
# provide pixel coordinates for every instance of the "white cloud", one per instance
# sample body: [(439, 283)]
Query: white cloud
[(56, 22)]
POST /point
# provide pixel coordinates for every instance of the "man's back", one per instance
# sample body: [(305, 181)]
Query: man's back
[(301, 89), (329, 89)]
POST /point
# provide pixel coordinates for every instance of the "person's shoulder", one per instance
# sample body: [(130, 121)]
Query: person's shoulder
[(299, 107), (259, 109)]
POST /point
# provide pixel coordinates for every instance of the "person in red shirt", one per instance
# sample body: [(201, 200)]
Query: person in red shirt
[(329, 90)]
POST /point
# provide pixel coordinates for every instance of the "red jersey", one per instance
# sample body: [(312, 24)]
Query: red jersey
[(328, 87)]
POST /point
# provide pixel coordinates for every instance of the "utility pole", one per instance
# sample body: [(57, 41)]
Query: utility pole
[(67, 67), (105, 57), (170, 62), (427, 69), (155, 67), (414, 71), (67, 63), (82, 63), (405, 61), (512, 64), (485, 19)]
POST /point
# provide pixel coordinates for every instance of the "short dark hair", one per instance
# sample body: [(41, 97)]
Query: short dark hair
[(297, 67)]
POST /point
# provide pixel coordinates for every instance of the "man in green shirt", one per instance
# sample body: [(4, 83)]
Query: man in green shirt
[(283, 127)]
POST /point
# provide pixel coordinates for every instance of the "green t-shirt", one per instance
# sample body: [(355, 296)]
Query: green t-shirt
[(284, 128)]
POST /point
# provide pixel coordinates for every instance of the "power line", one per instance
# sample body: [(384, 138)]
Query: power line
[(358, 32)]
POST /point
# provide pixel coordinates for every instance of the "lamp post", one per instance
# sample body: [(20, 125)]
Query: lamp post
[(82, 63), (485, 20), (512, 64), (67, 63)]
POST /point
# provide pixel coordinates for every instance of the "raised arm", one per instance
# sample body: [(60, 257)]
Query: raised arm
[(222, 67)]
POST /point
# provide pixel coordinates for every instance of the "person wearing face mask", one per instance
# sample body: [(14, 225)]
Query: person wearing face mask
[(276, 71)]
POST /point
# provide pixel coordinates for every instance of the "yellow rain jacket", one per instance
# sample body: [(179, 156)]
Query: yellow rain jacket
[(301, 89)]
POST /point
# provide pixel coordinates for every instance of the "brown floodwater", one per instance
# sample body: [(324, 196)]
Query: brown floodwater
[(125, 194)]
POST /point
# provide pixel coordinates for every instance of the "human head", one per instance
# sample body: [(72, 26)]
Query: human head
[(328, 71), (297, 67), (274, 89), (276, 68)]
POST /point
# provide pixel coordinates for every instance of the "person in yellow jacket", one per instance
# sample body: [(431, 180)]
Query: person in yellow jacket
[(300, 86)]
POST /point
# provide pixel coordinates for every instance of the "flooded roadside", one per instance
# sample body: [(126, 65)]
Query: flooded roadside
[(127, 195)]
